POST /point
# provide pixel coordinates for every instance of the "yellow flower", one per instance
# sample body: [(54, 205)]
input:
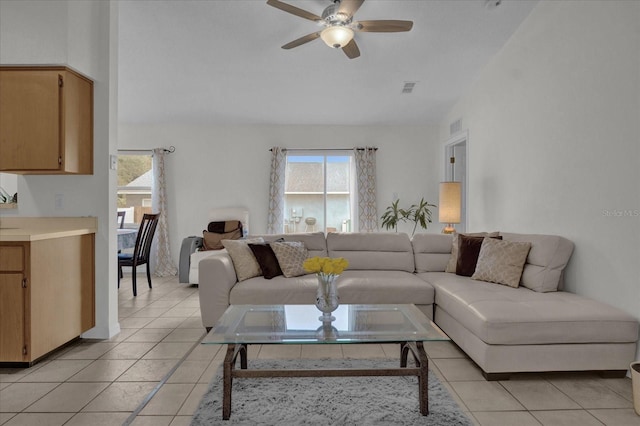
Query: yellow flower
[(312, 264), (325, 265), (340, 264)]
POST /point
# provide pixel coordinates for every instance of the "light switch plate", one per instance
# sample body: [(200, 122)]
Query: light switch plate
[(113, 162)]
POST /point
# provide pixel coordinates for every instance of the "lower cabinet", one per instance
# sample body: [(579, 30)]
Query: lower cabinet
[(46, 295)]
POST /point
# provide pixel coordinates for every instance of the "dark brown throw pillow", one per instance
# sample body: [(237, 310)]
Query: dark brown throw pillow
[(468, 251), (266, 259), (218, 231)]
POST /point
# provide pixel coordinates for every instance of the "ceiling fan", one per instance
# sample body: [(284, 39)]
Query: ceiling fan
[(339, 26)]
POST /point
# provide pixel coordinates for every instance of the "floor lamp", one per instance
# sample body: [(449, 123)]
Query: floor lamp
[(449, 205)]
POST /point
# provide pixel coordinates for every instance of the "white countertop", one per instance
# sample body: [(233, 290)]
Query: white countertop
[(43, 228)]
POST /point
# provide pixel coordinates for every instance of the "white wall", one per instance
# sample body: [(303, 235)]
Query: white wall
[(218, 166), (76, 34), (554, 124)]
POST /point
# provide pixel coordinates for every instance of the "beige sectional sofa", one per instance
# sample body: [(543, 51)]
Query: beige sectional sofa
[(504, 330)]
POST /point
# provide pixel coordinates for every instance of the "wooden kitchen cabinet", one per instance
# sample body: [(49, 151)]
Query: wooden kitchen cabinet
[(46, 121), (12, 301), (46, 295)]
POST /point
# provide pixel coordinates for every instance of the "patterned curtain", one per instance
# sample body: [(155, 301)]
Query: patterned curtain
[(164, 264), (366, 181), (275, 218)]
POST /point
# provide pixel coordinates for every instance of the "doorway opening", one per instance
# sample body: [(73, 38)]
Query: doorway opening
[(456, 170)]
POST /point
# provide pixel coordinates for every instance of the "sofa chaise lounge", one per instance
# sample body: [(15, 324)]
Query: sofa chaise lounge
[(535, 327)]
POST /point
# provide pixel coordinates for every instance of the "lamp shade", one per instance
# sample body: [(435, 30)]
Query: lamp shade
[(450, 201), (337, 36)]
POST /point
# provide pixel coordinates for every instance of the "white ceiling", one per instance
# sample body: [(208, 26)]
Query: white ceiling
[(220, 62)]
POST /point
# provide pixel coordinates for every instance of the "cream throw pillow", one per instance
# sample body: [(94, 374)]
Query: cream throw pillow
[(291, 255), (453, 259), (244, 262), (501, 261)]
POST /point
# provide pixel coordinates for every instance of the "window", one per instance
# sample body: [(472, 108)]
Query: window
[(135, 176), (319, 191)]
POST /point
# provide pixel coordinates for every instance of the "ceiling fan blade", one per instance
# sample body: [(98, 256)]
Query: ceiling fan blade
[(301, 40), (384, 26), (293, 10), (350, 7), (351, 49)]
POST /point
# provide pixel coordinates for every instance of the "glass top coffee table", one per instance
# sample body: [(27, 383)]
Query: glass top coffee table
[(243, 325)]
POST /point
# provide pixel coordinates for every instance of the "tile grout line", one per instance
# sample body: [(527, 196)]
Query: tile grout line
[(166, 377)]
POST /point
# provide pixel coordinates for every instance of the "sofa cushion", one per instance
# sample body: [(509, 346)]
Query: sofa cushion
[(502, 315), (277, 291), (244, 262), (291, 256), (431, 251), (373, 251), (546, 261), (383, 287), (501, 262), (354, 287)]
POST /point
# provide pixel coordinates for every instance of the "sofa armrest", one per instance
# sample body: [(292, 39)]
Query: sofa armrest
[(216, 277)]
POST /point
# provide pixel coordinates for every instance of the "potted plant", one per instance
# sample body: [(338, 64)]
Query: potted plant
[(393, 215), (417, 213), (420, 213)]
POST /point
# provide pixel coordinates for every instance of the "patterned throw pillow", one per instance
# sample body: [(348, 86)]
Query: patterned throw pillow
[(501, 262), (244, 262), (453, 259), (291, 255)]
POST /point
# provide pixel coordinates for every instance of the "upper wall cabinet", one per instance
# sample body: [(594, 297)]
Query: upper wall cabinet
[(46, 121)]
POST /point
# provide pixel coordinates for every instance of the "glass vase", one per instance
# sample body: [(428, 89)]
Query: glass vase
[(327, 299)]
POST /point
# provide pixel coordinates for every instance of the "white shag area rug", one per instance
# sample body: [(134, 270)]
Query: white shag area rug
[(328, 400)]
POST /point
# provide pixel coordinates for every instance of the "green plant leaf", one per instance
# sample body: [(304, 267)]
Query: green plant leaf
[(416, 213)]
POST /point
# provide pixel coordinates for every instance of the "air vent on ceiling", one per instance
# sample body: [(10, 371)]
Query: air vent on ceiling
[(492, 4), (455, 127), (408, 86)]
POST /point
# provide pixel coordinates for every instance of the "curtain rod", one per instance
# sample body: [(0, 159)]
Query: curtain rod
[(169, 150), (323, 149)]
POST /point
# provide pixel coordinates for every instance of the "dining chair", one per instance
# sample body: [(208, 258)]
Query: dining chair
[(121, 215), (141, 251)]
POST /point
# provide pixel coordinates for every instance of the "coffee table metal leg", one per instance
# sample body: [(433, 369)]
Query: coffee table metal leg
[(422, 362), (243, 356), (227, 380), (404, 353), (423, 379)]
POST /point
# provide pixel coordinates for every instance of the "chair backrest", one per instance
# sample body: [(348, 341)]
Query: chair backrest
[(121, 215), (144, 239)]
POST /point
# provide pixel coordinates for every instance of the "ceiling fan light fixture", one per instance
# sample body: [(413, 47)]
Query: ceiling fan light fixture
[(337, 36)]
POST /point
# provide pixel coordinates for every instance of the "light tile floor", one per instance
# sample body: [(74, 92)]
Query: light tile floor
[(104, 382)]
